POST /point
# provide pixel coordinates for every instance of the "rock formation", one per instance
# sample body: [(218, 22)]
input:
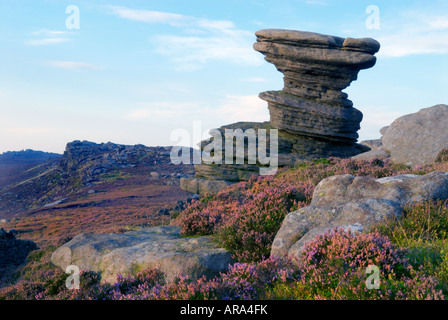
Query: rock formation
[(413, 139), (356, 203), (130, 252), (314, 118), (316, 69)]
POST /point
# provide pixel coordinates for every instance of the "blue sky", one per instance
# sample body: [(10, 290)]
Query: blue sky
[(135, 71)]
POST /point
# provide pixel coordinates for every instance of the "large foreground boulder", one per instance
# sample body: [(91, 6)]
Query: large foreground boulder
[(130, 252), (356, 203)]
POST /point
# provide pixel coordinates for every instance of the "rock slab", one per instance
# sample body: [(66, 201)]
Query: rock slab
[(130, 252), (355, 203)]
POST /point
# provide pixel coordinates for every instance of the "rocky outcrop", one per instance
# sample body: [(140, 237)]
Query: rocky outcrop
[(356, 203), (314, 118), (130, 252), (83, 165), (413, 139), (89, 159)]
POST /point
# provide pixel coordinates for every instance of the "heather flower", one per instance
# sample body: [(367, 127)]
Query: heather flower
[(334, 267)]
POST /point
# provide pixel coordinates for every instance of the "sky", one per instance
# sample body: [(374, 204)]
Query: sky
[(134, 72)]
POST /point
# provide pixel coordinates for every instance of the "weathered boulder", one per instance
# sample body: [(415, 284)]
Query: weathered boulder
[(130, 252), (417, 138), (345, 200)]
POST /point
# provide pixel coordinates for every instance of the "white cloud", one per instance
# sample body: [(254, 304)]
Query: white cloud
[(316, 2), (149, 16), (162, 110), (231, 109), (202, 41), (255, 79), (73, 65), (48, 33), (46, 41), (47, 37), (242, 108), (414, 32)]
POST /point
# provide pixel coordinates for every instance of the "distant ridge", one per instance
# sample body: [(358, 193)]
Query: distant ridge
[(27, 155)]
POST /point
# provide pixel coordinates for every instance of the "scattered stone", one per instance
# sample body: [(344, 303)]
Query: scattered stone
[(55, 203), (345, 200), (130, 252), (155, 175)]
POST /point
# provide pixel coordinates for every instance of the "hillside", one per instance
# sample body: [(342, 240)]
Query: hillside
[(92, 188), (35, 181), (16, 165)]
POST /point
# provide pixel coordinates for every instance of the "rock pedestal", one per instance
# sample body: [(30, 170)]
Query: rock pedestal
[(316, 69), (314, 118)]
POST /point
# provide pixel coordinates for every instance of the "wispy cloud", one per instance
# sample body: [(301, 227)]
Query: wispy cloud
[(47, 37), (231, 109), (316, 2), (48, 33), (414, 32), (161, 110), (376, 117), (46, 41), (198, 41), (149, 16), (242, 108), (72, 65)]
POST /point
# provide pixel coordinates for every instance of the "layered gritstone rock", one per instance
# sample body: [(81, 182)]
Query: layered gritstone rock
[(316, 69)]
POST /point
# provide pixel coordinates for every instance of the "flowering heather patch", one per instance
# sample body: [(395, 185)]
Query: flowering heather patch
[(246, 216), (335, 266), (242, 281), (249, 230)]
